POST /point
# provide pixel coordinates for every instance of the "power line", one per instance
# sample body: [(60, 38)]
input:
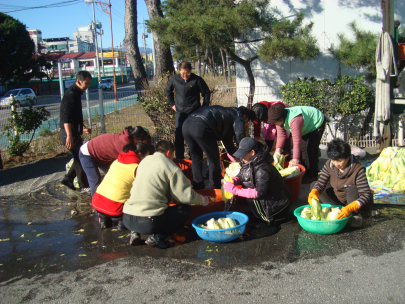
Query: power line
[(52, 5)]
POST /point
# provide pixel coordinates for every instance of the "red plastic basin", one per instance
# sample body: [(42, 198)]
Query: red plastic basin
[(185, 166)]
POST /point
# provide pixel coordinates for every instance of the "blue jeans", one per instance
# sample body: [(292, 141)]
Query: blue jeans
[(90, 166)]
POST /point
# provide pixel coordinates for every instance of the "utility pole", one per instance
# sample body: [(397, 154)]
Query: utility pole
[(144, 36), (122, 76), (101, 45), (93, 27)]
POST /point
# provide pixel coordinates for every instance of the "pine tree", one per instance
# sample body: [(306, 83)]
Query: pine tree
[(225, 23)]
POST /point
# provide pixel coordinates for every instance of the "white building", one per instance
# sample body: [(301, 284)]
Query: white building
[(36, 36), (330, 18)]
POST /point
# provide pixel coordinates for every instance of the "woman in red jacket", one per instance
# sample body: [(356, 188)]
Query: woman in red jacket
[(102, 150), (115, 188)]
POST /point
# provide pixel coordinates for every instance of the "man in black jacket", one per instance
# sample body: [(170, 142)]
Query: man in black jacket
[(72, 127), (203, 129), (187, 87)]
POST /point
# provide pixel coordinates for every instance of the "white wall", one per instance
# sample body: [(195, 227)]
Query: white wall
[(330, 17)]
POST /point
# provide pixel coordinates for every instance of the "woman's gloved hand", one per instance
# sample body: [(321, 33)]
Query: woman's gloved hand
[(293, 163), (345, 212), (313, 194), (231, 158), (231, 188)]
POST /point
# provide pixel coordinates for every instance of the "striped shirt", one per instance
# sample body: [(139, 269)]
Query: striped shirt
[(365, 195)]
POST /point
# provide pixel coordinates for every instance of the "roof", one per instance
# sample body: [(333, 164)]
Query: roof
[(71, 56), (87, 55), (49, 57)]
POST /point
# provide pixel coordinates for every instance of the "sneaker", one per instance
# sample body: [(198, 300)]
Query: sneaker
[(85, 191), (153, 241), (66, 181), (135, 238)]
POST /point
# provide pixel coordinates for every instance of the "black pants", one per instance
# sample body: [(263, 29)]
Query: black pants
[(201, 138), (309, 151), (104, 216), (76, 168), (178, 136), (161, 226), (259, 213), (328, 196)]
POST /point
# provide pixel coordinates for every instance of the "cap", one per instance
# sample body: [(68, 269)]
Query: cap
[(246, 145), (276, 113)]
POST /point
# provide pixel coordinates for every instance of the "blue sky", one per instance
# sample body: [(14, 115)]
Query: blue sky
[(63, 21)]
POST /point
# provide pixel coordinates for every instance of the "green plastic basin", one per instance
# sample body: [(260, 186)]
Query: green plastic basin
[(321, 227)]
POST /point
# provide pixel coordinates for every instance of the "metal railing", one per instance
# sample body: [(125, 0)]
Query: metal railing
[(127, 111)]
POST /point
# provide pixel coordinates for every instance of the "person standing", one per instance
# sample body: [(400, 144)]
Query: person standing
[(203, 129), (72, 127), (306, 125), (183, 94)]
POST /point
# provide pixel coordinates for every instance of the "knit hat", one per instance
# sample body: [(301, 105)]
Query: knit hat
[(276, 113)]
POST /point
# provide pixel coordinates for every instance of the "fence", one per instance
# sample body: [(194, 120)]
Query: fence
[(126, 111)]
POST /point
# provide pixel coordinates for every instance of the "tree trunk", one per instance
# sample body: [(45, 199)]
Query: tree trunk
[(197, 51), (213, 63), (223, 65), (246, 65), (131, 44), (164, 59), (229, 68), (205, 61)]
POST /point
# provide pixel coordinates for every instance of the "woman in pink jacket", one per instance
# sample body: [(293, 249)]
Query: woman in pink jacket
[(261, 110)]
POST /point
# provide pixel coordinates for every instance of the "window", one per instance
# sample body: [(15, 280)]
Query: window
[(71, 45)]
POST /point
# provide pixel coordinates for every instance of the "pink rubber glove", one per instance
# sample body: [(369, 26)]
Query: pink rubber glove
[(247, 192), (231, 157), (236, 180)]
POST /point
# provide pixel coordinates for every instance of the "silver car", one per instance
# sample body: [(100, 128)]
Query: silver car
[(106, 84), (22, 97)]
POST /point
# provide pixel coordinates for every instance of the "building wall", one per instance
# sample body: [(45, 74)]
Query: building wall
[(330, 18)]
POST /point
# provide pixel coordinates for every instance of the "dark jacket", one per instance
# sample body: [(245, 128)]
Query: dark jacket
[(273, 193), (71, 110), (225, 122), (187, 93)]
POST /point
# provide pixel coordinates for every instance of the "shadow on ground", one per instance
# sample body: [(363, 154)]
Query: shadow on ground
[(54, 229)]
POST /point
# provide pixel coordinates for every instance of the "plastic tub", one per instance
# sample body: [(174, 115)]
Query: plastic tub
[(221, 235), (216, 204), (294, 183), (321, 227), (185, 166)]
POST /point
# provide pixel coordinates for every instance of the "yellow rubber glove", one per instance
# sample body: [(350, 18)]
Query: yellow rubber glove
[(313, 194), (345, 212)]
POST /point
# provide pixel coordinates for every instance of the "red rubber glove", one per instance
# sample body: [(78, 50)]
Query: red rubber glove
[(313, 194), (345, 212)]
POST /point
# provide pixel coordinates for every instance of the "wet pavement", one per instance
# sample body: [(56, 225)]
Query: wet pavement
[(54, 229), (49, 236)]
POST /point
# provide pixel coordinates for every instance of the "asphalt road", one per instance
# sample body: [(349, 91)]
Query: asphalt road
[(55, 257), (52, 103)]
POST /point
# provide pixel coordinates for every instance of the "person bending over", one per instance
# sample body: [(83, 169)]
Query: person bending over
[(158, 181), (114, 190)]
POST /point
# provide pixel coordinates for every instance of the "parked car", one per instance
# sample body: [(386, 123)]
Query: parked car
[(22, 96), (106, 84)]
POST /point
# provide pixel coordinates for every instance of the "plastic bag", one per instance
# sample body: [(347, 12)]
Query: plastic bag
[(356, 151)]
